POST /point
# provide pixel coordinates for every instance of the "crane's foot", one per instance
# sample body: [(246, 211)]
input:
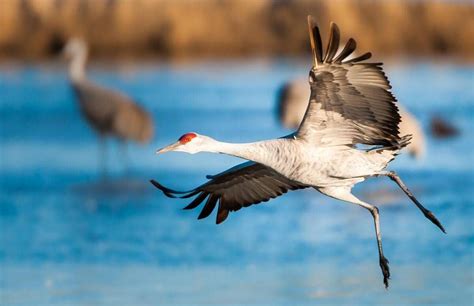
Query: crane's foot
[(430, 216), (385, 270), (427, 213)]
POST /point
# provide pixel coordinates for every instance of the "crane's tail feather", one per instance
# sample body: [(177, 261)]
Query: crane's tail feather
[(403, 142), (387, 154)]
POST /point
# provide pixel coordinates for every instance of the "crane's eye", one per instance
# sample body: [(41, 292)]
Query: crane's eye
[(187, 138)]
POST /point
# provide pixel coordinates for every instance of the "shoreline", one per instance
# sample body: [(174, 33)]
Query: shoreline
[(212, 28)]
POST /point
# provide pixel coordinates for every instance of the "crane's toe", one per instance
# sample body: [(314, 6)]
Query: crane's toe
[(385, 270)]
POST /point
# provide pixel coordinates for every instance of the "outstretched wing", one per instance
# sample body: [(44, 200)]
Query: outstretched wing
[(241, 186), (350, 100)]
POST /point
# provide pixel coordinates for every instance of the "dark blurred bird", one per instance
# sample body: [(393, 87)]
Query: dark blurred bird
[(350, 104), (292, 100), (109, 112), (441, 128)]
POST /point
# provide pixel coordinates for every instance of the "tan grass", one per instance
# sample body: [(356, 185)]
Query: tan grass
[(192, 28)]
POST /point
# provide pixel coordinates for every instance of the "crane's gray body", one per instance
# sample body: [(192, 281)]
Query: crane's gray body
[(315, 166), (111, 113), (108, 111)]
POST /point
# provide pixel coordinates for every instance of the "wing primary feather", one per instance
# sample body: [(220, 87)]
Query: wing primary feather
[(315, 39), (198, 200), (222, 213), (190, 194), (361, 58), (240, 186), (333, 43), (170, 193), (209, 206), (350, 46), (168, 190)]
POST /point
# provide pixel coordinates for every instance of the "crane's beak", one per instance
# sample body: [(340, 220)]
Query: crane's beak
[(169, 148)]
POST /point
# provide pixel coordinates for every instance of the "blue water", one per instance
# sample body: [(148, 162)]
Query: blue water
[(69, 238)]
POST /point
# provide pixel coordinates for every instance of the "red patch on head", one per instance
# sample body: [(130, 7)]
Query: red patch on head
[(187, 138)]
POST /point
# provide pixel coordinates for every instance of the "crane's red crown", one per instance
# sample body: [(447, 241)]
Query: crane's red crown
[(187, 138)]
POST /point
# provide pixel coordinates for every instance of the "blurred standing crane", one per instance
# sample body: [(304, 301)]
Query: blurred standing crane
[(109, 112), (292, 100), (350, 103)]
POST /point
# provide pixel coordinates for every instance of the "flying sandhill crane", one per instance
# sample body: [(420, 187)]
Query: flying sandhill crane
[(292, 100), (350, 104), (109, 112)]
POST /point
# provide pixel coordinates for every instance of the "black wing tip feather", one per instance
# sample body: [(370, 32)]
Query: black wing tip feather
[(208, 207), (212, 200), (170, 193), (214, 191), (361, 58), (333, 43), (166, 191), (331, 55), (222, 213), (311, 21), (315, 40), (348, 49), (197, 201)]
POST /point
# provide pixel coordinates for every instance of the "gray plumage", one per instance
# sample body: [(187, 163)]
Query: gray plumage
[(292, 101), (350, 101), (112, 113), (350, 104), (109, 112)]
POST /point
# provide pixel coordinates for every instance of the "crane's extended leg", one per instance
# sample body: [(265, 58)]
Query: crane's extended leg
[(427, 213), (344, 194)]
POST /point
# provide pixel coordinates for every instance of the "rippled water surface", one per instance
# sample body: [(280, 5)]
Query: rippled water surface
[(67, 237)]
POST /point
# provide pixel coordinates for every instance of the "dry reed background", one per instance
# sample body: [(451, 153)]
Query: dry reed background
[(190, 28)]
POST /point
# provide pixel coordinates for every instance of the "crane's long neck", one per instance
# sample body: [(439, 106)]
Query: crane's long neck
[(264, 152), (77, 65)]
